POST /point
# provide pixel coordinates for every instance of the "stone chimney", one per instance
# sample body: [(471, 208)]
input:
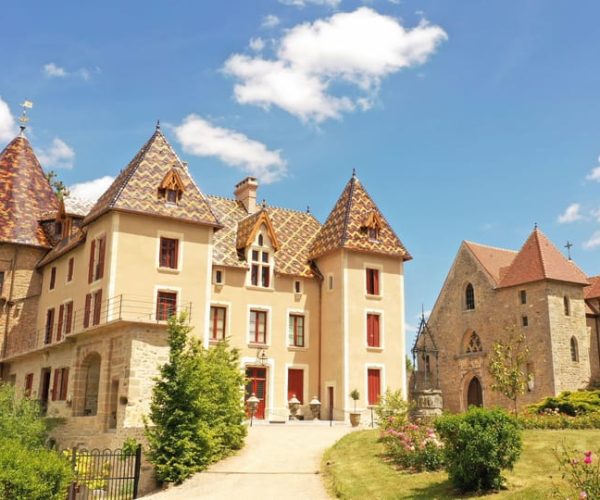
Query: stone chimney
[(245, 191)]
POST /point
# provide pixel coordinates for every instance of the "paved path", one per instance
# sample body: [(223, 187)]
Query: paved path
[(278, 462)]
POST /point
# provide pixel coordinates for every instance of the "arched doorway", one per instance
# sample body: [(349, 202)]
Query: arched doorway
[(90, 376), (474, 393)]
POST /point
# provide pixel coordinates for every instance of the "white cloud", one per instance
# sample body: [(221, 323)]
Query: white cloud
[(91, 190), (357, 49), (201, 138), (571, 214), (58, 155), (52, 70), (593, 242), (596, 214), (257, 44), (594, 175), (8, 127), (304, 3), (270, 21)]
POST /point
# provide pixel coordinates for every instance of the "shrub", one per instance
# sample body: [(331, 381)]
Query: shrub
[(553, 419), (478, 445), (581, 470), (196, 411), (20, 418), (392, 411), (571, 403), (414, 447), (32, 473)]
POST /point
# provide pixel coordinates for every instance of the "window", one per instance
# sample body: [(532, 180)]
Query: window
[(372, 281), (166, 305), (474, 344), (296, 330), (1, 282), (258, 327), (373, 234), (374, 385), (171, 196), (218, 318), (58, 228), (169, 248), (70, 269), (68, 317), (261, 240), (49, 326), (219, 277), (297, 286), (97, 307), (97, 254), (523, 296), (28, 384), (52, 278), (574, 350), (261, 270), (373, 330), (525, 321), (87, 310), (470, 297), (60, 385), (567, 305), (330, 282)]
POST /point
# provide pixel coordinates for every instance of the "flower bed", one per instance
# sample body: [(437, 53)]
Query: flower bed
[(554, 419), (413, 447)]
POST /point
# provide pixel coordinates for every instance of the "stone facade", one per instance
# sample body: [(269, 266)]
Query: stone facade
[(536, 309)]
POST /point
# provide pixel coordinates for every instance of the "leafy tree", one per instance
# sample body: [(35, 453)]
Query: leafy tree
[(409, 365), (508, 367), (20, 418), (196, 411), (57, 185)]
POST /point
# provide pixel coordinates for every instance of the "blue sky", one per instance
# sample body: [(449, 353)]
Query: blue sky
[(464, 119)]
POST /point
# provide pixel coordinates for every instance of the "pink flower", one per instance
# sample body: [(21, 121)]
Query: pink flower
[(583, 495), (588, 457)]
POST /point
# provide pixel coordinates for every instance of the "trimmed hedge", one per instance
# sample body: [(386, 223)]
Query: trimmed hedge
[(570, 403)]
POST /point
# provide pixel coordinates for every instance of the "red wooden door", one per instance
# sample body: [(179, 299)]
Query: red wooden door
[(296, 384), (374, 383), (257, 383)]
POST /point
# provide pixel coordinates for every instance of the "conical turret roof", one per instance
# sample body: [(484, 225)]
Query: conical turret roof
[(347, 226), (26, 197), (137, 187)]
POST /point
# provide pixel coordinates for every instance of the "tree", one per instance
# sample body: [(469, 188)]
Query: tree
[(196, 412), (57, 185), (409, 365), (508, 367)]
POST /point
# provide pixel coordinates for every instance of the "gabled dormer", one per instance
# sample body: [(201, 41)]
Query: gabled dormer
[(257, 243), (171, 188)]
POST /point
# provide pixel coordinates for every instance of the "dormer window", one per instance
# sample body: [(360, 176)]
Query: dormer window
[(171, 188), (372, 225), (261, 269), (261, 240)]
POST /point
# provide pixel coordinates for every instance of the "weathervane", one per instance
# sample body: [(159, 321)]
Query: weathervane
[(568, 246), (23, 119)]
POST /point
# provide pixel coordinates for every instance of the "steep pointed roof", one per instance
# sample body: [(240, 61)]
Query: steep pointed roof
[(346, 226), (136, 188), (538, 260), (494, 260), (26, 197)]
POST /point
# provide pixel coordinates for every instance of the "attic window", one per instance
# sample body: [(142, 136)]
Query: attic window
[(171, 187), (372, 225)]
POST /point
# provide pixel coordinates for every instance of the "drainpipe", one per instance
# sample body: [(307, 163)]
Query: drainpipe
[(320, 340)]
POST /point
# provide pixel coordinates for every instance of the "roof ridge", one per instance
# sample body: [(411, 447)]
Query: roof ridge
[(348, 210), (469, 242)]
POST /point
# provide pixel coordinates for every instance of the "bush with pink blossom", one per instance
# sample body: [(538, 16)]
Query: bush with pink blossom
[(581, 470), (413, 447)]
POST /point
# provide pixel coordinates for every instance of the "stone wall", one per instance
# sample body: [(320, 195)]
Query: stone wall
[(19, 297), (593, 324)]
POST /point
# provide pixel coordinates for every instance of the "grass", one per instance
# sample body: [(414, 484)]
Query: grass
[(354, 469)]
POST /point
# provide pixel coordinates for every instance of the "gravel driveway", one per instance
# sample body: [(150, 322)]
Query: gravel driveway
[(279, 461)]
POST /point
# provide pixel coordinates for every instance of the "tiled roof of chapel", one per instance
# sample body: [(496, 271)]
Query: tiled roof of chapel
[(345, 226), (26, 197), (295, 232), (494, 260), (592, 291), (136, 188)]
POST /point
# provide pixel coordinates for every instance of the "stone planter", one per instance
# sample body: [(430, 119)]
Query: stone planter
[(294, 406), (428, 404), (355, 419)]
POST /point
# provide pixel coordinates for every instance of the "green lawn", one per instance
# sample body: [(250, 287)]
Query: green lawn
[(353, 468)]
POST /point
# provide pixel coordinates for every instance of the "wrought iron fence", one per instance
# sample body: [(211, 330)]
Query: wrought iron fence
[(106, 474)]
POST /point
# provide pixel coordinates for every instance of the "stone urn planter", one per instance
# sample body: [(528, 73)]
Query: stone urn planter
[(315, 407), (355, 419), (294, 406)]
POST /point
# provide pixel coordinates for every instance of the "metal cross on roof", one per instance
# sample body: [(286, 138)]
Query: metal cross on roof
[(568, 246), (23, 119)]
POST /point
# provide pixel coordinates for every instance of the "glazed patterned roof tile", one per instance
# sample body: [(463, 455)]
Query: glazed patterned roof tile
[(295, 232), (65, 245), (136, 188), (495, 261), (592, 291), (345, 226), (26, 197), (79, 207), (245, 227)]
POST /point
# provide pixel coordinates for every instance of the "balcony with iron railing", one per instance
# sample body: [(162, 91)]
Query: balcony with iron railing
[(109, 312)]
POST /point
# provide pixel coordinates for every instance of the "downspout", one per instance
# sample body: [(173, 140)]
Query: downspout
[(320, 340)]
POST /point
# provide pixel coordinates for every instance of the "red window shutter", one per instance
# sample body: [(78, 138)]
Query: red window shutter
[(97, 306), (70, 271), (49, 326), (369, 281), (296, 384), (375, 282), (87, 310), (69, 318), (175, 253), (52, 278), (55, 385), (64, 384), (376, 330), (59, 328), (101, 255), (91, 266), (374, 385), (370, 330)]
